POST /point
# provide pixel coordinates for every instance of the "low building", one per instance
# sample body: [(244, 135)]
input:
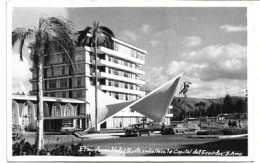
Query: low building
[(57, 112)]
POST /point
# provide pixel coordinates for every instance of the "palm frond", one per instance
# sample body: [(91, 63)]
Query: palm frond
[(82, 38), (69, 51), (107, 31), (20, 35)]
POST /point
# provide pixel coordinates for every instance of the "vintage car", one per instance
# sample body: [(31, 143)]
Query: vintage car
[(67, 128), (173, 130), (153, 126), (138, 130)]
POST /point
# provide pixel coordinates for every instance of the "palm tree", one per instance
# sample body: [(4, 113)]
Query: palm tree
[(93, 37), (177, 105), (184, 90), (200, 105), (52, 33)]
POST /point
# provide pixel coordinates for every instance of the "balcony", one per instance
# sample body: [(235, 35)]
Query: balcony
[(113, 53), (120, 78), (122, 90), (102, 62)]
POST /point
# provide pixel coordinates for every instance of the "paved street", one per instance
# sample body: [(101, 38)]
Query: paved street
[(154, 145)]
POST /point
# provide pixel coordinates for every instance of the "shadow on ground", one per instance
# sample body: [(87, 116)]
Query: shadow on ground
[(225, 146)]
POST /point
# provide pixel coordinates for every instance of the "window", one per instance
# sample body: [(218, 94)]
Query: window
[(109, 71), (126, 86), (63, 58), (125, 63), (109, 83), (116, 72), (34, 75), (63, 68), (79, 81), (115, 60), (54, 111), (131, 86), (63, 83), (115, 46), (52, 84), (26, 119), (52, 94), (116, 84), (64, 94), (126, 74), (116, 95), (66, 111), (79, 94)]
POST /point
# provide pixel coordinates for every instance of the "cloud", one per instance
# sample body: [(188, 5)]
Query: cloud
[(226, 61), (214, 71), (145, 28), (230, 28), (130, 35), (191, 41), (155, 43), (217, 88), (20, 74), (192, 18), (154, 77)]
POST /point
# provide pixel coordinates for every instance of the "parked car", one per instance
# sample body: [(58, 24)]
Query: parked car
[(155, 126), (67, 128), (179, 128), (138, 130)]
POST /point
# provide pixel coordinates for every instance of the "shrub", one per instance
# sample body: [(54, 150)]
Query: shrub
[(225, 131), (234, 131), (25, 148), (210, 132)]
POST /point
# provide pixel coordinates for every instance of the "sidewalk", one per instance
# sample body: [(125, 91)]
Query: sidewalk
[(99, 136), (217, 136)]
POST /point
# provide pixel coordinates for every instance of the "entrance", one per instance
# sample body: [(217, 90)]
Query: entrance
[(103, 125), (56, 124)]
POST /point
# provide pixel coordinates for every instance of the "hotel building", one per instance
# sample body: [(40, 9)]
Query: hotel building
[(118, 76)]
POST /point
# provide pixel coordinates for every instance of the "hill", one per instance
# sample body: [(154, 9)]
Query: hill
[(192, 101)]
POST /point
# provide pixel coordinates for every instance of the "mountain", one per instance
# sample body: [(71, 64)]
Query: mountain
[(192, 101)]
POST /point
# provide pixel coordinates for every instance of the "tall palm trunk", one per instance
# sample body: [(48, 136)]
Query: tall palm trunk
[(200, 117), (185, 109), (39, 134), (96, 91)]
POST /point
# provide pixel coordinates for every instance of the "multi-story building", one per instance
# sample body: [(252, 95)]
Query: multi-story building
[(118, 76)]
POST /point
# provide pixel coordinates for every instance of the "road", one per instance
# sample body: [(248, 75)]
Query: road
[(156, 145)]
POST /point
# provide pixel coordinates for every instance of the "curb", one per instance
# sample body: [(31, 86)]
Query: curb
[(217, 136), (98, 136)]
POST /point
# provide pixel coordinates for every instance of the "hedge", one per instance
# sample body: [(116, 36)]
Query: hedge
[(224, 131)]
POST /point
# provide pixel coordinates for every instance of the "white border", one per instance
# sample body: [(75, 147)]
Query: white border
[(252, 68)]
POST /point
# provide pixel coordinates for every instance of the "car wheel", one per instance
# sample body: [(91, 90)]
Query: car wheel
[(67, 132), (149, 133)]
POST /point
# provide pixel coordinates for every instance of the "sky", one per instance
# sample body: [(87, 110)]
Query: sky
[(209, 45)]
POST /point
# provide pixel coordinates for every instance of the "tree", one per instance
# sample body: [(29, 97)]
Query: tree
[(52, 33), (177, 105), (184, 90), (228, 105), (240, 106), (212, 110), (93, 37), (200, 105)]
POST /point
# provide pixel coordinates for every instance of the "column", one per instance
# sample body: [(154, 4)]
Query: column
[(75, 123), (80, 123)]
